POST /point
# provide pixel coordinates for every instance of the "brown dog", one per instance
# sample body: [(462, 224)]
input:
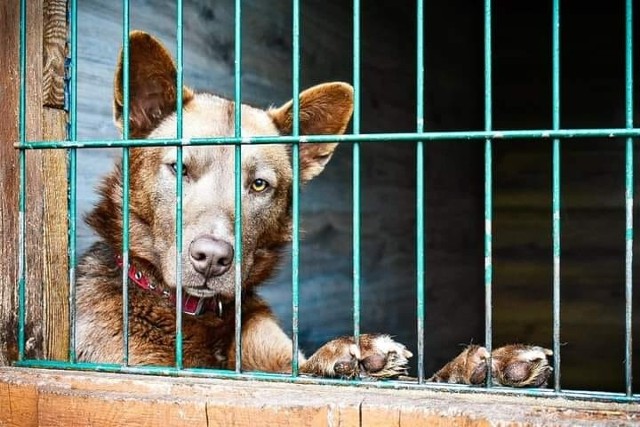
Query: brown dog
[(208, 273)]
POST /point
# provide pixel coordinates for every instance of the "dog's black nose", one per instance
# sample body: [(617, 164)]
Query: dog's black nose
[(210, 256)]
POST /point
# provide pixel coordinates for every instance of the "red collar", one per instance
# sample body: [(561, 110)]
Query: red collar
[(192, 305)]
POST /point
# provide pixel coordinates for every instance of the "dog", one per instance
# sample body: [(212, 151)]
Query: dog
[(208, 270)]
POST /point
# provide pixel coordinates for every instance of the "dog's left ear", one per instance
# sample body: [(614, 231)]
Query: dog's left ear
[(324, 110)]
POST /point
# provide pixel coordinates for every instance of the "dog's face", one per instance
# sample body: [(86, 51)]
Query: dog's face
[(209, 174)]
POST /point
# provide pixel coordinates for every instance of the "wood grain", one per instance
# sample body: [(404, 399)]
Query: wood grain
[(46, 241), (53, 52)]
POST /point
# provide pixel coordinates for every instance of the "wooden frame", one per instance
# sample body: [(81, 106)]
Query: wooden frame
[(33, 397), (46, 241)]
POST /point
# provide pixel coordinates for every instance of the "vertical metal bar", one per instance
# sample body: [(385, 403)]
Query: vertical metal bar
[(488, 188), (295, 156), (179, 168), (125, 183), (73, 136), (238, 184), (629, 199), (420, 196), (356, 171), (556, 192), (22, 196)]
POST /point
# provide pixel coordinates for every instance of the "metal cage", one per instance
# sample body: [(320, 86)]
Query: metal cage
[(420, 137)]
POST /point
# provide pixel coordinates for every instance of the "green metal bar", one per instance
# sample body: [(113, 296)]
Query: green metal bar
[(73, 174), (125, 183), (271, 377), (556, 193), (420, 191), (356, 172), (295, 159), (238, 185), (629, 200), (22, 196), (488, 189), (506, 135), (179, 179)]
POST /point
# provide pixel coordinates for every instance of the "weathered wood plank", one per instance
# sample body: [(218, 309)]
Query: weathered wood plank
[(46, 198), (9, 13), (54, 250), (68, 398), (18, 404)]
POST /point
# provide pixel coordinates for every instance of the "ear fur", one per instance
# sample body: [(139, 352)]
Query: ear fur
[(325, 109), (152, 85)]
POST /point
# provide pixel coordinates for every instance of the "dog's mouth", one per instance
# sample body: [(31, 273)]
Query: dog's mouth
[(200, 292), (205, 289)]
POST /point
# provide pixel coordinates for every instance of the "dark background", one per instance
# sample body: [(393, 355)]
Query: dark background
[(593, 223)]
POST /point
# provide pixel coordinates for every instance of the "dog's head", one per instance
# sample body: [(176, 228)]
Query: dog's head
[(208, 175)]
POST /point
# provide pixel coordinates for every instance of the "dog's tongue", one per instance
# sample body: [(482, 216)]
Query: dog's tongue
[(192, 304)]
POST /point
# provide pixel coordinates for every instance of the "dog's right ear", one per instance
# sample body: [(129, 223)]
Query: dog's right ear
[(152, 85)]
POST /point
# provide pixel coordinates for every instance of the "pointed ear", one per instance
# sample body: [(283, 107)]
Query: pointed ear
[(152, 85), (324, 110)]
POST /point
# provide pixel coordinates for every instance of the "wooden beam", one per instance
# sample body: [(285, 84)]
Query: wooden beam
[(46, 241), (74, 398)]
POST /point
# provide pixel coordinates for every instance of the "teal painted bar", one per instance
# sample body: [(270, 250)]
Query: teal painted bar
[(269, 377), (73, 174), (22, 195), (506, 135), (628, 366), (488, 190), (179, 182), (295, 159), (238, 184), (125, 183), (356, 172), (556, 193), (420, 196)]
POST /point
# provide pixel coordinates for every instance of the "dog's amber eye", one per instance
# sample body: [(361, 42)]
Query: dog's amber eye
[(259, 185), (174, 168)]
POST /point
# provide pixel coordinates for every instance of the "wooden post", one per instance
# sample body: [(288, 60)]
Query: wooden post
[(46, 240)]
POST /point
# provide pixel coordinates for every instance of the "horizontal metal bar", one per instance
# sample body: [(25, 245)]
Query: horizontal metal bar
[(375, 137), (286, 378)]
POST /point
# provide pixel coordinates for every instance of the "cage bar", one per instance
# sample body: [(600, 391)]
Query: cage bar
[(179, 171), (356, 172), (488, 190), (295, 159), (388, 137), (420, 196), (238, 183), (73, 162), (125, 183), (264, 376), (556, 192), (22, 196), (628, 338)]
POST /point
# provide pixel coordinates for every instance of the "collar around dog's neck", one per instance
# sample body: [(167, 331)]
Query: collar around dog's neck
[(192, 305)]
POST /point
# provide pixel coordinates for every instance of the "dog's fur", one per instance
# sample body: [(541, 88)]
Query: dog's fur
[(208, 219)]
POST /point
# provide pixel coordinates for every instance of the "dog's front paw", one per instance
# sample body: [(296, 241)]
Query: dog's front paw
[(515, 365), (519, 365), (469, 367), (377, 356)]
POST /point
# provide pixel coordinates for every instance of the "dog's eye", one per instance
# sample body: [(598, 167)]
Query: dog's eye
[(259, 185), (174, 169)]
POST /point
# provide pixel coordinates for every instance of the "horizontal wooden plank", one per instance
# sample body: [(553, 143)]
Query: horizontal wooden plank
[(55, 398)]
